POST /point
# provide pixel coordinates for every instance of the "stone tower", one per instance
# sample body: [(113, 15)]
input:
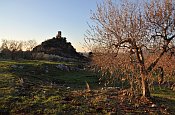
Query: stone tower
[(58, 34)]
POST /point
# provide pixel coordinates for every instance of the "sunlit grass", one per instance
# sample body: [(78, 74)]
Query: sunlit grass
[(47, 92), (37, 92), (165, 97), (164, 93)]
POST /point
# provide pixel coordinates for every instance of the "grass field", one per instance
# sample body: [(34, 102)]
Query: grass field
[(39, 87)]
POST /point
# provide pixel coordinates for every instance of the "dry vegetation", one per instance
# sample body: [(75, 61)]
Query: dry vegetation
[(136, 39)]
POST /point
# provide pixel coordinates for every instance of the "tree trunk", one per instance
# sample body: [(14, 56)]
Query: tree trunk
[(145, 87)]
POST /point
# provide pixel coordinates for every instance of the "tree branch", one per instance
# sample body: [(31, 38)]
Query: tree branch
[(122, 42), (152, 65)]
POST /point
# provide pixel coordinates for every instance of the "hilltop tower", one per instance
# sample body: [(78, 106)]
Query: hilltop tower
[(57, 46), (58, 34)]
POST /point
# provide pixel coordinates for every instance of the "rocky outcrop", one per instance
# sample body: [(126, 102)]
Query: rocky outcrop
[(58, 46)]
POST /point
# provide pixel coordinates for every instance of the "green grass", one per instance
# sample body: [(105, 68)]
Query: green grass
[(35, 71), (41, 91), (165, 92), (165, 97), (47, 92)]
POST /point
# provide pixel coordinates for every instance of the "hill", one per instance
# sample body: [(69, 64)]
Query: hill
[(58, 46)]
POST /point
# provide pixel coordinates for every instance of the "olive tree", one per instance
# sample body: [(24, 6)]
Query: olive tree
[(124, 35)]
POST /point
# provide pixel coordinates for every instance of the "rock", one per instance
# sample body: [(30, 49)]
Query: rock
[(46, 71), (21, 67), (62, 67), (14, 66), (67, 87), (74, 68), (153, 105)]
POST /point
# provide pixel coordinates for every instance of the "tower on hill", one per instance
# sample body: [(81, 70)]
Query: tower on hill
[(58, 34), (58, 45)]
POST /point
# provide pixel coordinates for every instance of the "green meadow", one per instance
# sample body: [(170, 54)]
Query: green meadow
[(40, 87)]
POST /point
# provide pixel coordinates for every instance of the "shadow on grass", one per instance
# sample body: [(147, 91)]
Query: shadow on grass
[(165, 103), (49, 73)]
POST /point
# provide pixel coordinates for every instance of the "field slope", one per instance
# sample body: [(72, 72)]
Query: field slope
[(42, 87)]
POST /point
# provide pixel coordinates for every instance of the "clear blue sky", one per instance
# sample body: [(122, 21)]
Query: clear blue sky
[(41, 19)]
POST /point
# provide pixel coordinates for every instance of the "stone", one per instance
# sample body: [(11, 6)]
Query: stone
[(21, 67), (62, 67), (14, 66)]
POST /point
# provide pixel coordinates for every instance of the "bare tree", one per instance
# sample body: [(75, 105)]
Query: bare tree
[(15, 48), (124, 36), (12, 45), (29, 45), (4, 44), (15, 45)]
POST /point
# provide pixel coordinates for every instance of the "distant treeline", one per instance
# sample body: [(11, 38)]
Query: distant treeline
[(17, 50), (14, 49)]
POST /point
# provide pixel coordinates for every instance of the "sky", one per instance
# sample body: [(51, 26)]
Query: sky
[(41, 19)]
